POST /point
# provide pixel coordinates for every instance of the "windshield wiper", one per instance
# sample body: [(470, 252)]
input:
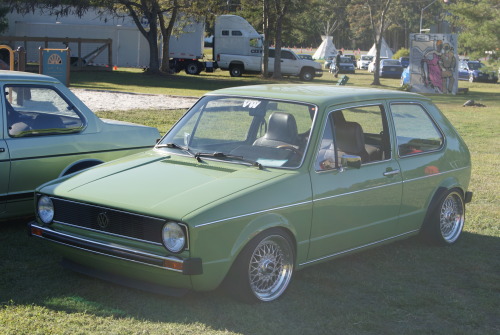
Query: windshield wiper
[(176, 146), (216, 154)]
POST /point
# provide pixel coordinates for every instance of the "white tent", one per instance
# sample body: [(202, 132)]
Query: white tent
[(327, 48), (385, 51)]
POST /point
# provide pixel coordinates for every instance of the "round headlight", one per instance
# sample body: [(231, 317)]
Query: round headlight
[(174, 237), (45, 209)]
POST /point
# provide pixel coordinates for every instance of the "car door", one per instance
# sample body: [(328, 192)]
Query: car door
[(353, 206), (289, 65), (4, 173), (42, 133)]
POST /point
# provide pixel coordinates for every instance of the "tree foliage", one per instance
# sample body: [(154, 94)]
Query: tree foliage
[(479, 26)]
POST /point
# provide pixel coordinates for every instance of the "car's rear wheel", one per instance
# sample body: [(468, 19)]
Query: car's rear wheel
[(193, 68), (445, 224), (263, 270), (236, 70)]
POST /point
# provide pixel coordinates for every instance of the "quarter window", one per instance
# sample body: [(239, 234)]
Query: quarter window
[(415, 130)]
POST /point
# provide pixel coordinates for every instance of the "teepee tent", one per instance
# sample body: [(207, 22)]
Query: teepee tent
[(385, 51), (326, 48)]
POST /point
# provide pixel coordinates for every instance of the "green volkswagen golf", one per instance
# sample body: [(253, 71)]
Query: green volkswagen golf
[(254, 183)]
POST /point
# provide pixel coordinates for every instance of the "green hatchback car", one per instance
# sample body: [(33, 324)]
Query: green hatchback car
[(47, 132), (256, 182)]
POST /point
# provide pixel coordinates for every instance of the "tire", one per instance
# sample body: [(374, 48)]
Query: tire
[(264, 268), (444, 225), (193, 68), (306, 75), (236, 70)]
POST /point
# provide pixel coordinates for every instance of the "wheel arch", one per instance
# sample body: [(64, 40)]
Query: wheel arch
[(447, 185), (259, 226), (79, 166)]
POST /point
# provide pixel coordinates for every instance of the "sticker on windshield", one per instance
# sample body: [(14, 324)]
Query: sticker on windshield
[(251, 103), (272, 162)]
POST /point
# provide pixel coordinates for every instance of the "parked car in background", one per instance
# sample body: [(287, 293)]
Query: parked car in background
[(364, 61), (405, 76), (48, 132), (256, 182), (353, 59), (346, 66), (476, 71), (328, 61), (390, 68), (372, 65), (306, 56), (405, 61)]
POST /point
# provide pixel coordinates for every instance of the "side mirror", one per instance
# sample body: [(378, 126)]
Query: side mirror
[(350, 161)]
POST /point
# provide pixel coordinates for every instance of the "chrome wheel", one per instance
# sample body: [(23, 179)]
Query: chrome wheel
[(452, 217), (270, 268)]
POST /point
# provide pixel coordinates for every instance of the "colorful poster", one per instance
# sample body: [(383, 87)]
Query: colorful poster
[(433, 63)]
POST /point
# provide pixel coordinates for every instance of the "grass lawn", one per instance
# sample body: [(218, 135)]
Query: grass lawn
[(402, 288)]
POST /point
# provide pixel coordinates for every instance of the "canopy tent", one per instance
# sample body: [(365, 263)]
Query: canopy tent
[(385, 51), (326, 48)]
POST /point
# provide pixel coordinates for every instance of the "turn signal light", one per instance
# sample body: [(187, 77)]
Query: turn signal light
[(173, 265)]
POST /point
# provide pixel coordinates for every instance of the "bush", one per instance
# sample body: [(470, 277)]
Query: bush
[(403, 52)]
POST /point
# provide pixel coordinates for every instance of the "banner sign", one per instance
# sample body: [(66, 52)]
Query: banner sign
[(434, 63), (55, 63)]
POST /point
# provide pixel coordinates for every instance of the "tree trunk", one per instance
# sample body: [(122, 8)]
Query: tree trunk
[(166, 32)]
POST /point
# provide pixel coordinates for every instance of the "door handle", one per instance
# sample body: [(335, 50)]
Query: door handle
[(391, 173), (2, 149)]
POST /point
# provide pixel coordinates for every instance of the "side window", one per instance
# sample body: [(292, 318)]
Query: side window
[(39, 111), (286, 55), (255, 43), (415, 130), (225, 33), (359, 131), (236, 33)]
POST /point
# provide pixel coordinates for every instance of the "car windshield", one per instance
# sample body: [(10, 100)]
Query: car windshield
[(367, 58), (345, 60), (475, 66), (243, 130)]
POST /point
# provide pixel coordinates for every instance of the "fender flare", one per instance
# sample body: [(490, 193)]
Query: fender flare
[(79, 166)]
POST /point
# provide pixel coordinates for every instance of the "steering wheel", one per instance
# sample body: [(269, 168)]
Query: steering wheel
[(291, 148)]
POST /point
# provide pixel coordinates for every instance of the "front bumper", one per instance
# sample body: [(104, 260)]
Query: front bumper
[(318, 73), (190, 266)]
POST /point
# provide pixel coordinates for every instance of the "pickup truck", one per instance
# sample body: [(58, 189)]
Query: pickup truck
[(291, 64)]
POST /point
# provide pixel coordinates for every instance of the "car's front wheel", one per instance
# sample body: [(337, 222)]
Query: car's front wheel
[(445, 224), (263, 270), (307, 75)]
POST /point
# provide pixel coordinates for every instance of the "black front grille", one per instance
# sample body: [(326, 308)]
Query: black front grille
[(108, 220)]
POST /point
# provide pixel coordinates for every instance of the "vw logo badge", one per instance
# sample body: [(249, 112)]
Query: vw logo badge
[(102, 220)]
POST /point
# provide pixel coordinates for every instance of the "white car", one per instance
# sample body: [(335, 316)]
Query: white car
[(364, 61)]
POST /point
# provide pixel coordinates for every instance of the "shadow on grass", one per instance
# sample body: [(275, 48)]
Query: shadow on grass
[(405, 287)]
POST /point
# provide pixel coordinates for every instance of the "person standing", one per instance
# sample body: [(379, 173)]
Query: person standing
[(337, 63)]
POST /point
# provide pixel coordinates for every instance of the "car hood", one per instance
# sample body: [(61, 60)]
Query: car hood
[(160, 185)]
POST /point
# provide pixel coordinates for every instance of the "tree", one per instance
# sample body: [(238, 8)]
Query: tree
[(479, 26), (376, 11)]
